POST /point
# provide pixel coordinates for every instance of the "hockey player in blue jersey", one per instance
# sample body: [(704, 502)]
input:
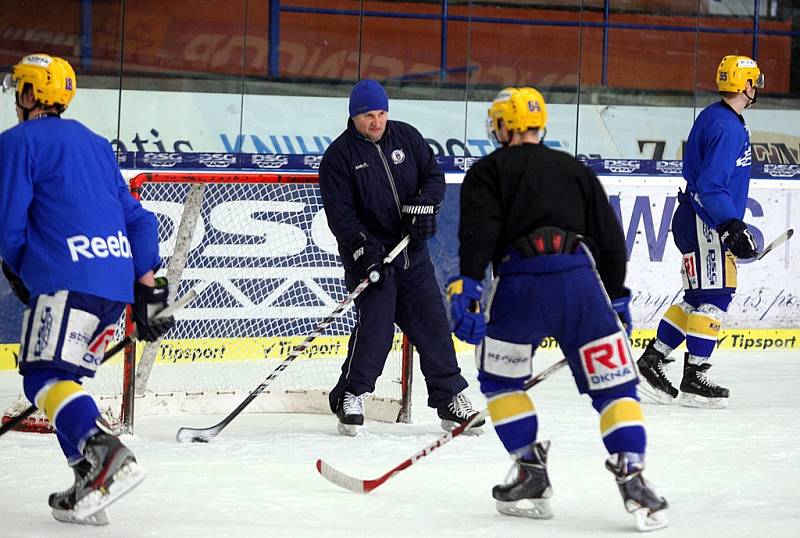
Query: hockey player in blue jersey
[(544, 222), (76, 248), (709, 231)]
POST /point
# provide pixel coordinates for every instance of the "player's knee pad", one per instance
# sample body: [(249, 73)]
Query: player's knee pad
[(621, 421), (703, 329)]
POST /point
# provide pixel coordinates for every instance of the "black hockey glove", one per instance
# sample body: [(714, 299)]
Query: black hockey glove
[(17, 285), (419, 218), (147, 302), (369, 261), (738, 239)]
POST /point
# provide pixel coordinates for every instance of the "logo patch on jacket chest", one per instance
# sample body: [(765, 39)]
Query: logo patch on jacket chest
[(398, 156)]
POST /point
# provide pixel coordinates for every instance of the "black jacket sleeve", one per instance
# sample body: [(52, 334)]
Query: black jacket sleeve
[(431, 178), (340, 201)]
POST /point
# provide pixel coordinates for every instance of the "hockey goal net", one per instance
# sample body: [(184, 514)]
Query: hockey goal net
[(257, 249)]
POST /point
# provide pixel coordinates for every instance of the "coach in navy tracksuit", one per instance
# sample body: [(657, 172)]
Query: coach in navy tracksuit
[(380, 181)]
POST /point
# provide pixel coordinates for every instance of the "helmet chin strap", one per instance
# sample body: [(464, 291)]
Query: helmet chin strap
[(26, 112), (751, 100)]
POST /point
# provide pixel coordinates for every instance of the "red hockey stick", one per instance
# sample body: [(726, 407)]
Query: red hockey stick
[(365, 486)]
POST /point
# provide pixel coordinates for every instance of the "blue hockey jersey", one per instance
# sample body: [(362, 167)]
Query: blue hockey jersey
[(67, 218), (716, 164)]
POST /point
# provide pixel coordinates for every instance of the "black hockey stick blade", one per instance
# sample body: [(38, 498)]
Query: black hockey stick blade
[(171, 309), (781, 239), (204, 435)]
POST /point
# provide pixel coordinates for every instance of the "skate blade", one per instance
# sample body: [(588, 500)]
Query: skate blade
[(97, 519), (126, 478), (654, 395), (449, 425), (532, 508), (693, 400), (351, 430), (647, 521)]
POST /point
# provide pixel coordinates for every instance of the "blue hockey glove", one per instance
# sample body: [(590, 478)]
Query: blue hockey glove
[(738, 239), (621, 306), (464, 294), (419, 218)]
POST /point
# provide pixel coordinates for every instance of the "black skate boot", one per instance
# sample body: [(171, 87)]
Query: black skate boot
[(656, 385), (698, 390), (638, 495), (60, 501), (350, 414), (113, 472), (458, 411), (528, 492)]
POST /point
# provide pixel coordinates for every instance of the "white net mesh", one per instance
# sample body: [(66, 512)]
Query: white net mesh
[(267, 271)]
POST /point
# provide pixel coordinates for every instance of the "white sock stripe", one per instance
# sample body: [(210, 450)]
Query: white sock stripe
[(625, 424), (623, 399), (43, 392), (66, 401), (674, 326), (88, 435), (513, 418), (702, 336)]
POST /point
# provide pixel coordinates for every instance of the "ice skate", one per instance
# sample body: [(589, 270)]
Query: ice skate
[(655, 385), (350, 414), (59, 501), (458, 411), (638, 495), (113, 472), (528, 490), (698, 390)]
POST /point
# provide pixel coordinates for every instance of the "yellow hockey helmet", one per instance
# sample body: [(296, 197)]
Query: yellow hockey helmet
[(528, 110), (500, 109), (520, 109), (734, 72), (52, 79)]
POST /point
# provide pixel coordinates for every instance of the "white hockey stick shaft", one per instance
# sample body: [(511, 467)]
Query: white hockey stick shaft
[(781, 239)]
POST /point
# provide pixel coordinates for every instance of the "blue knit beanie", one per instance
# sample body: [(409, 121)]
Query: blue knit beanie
[(368, 95)]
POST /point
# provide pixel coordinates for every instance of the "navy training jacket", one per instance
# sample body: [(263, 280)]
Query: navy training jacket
[(364, 183)]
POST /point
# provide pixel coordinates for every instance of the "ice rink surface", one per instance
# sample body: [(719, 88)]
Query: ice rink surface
[(726, 473)]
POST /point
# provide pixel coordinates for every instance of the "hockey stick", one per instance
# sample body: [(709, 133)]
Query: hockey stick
[(171, 309), (358, 485), (204, 435), (781, 239)]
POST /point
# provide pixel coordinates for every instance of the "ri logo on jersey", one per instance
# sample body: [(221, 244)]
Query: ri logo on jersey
[(607, 362)]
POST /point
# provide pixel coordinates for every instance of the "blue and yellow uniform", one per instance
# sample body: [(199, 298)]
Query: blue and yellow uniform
[(73, 234)]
